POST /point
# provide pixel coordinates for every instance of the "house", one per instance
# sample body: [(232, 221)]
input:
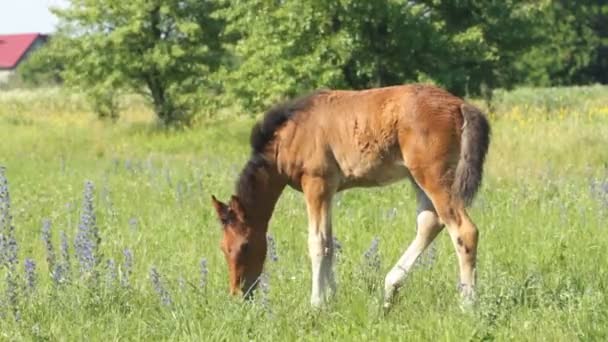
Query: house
[(14, 48)]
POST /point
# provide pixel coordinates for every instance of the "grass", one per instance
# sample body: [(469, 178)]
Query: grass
[(542, 213)]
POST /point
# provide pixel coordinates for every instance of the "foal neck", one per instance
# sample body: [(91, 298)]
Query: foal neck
[(259, 188)]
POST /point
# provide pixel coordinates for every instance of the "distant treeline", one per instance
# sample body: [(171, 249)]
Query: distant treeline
[(191, 57)]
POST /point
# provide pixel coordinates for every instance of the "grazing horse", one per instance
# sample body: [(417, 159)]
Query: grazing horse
[(333, 140)]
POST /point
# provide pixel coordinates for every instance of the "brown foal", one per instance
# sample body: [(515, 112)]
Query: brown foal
[(330, 141)]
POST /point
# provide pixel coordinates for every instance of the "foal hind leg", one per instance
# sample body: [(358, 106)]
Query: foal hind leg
[(428, 226), (462, 230), (465, 237), (319, 193)]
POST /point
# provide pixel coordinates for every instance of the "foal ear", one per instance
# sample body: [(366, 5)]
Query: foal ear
[(222, 210), (237, 207), (219, 206)]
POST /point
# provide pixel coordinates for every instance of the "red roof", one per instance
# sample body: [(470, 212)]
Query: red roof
[(13, 47)]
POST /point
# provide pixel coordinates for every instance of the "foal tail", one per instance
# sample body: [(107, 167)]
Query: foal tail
[(475, 141)]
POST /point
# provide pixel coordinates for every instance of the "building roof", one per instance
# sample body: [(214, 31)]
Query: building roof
[(14, 46)]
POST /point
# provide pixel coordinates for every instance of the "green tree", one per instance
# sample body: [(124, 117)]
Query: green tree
[(591, 29), (163, 49), (287, 47), (479, 42), (280, 50), (568, 46), (598, 68), (40, 68)]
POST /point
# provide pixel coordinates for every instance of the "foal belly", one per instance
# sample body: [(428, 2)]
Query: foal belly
[(375, 175)]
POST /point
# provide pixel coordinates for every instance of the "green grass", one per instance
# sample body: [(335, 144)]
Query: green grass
[(543, 260)]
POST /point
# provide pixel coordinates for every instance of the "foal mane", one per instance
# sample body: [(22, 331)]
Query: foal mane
[(262, 135), (263, 131)]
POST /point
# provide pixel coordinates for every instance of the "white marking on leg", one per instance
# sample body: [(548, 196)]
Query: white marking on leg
[(320, 243), (315, 250), (396, 276), (428, 228)]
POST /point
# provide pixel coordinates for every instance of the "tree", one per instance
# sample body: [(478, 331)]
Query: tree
[(287, 47), (567, 48), (589, 23), (40, 68), (163, 49), (481, 41), (189, 54), (598, 67), (280, 50)]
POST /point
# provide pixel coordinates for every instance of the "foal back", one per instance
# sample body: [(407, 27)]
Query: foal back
[(371, 137)]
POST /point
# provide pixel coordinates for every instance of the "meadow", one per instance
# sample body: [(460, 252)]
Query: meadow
[(157, 272)]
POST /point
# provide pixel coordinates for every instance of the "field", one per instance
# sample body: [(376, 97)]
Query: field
[(542, 213)]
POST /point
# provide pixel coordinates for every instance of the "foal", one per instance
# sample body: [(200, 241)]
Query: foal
[(330, 141)]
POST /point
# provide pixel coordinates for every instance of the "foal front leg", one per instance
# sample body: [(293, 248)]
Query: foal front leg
[(318, 195)]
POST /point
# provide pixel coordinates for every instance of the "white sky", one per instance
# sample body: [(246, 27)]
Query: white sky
[(28, 16)]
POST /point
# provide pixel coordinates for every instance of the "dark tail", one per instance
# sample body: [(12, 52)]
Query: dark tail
[(475, 141)]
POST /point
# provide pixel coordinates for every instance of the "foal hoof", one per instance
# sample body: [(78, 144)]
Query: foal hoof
[(389, 295), (318, 303), (467, 304), (467, 298), (386, 308)]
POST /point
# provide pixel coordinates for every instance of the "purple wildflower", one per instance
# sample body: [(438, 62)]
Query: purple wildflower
[(11, 291), (87, 239), (179, 191), (149, 165), (372, 256), (70, 210), (371, 265), (264, 285), (272, 248), (105, 194), (107, 201), (599, 189), (30, 274), (133, 223), (64, 269), (8, 244), (129, 165), (204, 272), (168, 178), (62, 165), (47, 238), (159, 287), (116, 164), (201, 187), (127, 267), (59, 275), (337, 246), (10, 249), (111, 273)]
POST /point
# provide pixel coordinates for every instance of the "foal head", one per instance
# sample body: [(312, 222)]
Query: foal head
[(244, 247)]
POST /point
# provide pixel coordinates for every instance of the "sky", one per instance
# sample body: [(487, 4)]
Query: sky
[(28, 16)]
